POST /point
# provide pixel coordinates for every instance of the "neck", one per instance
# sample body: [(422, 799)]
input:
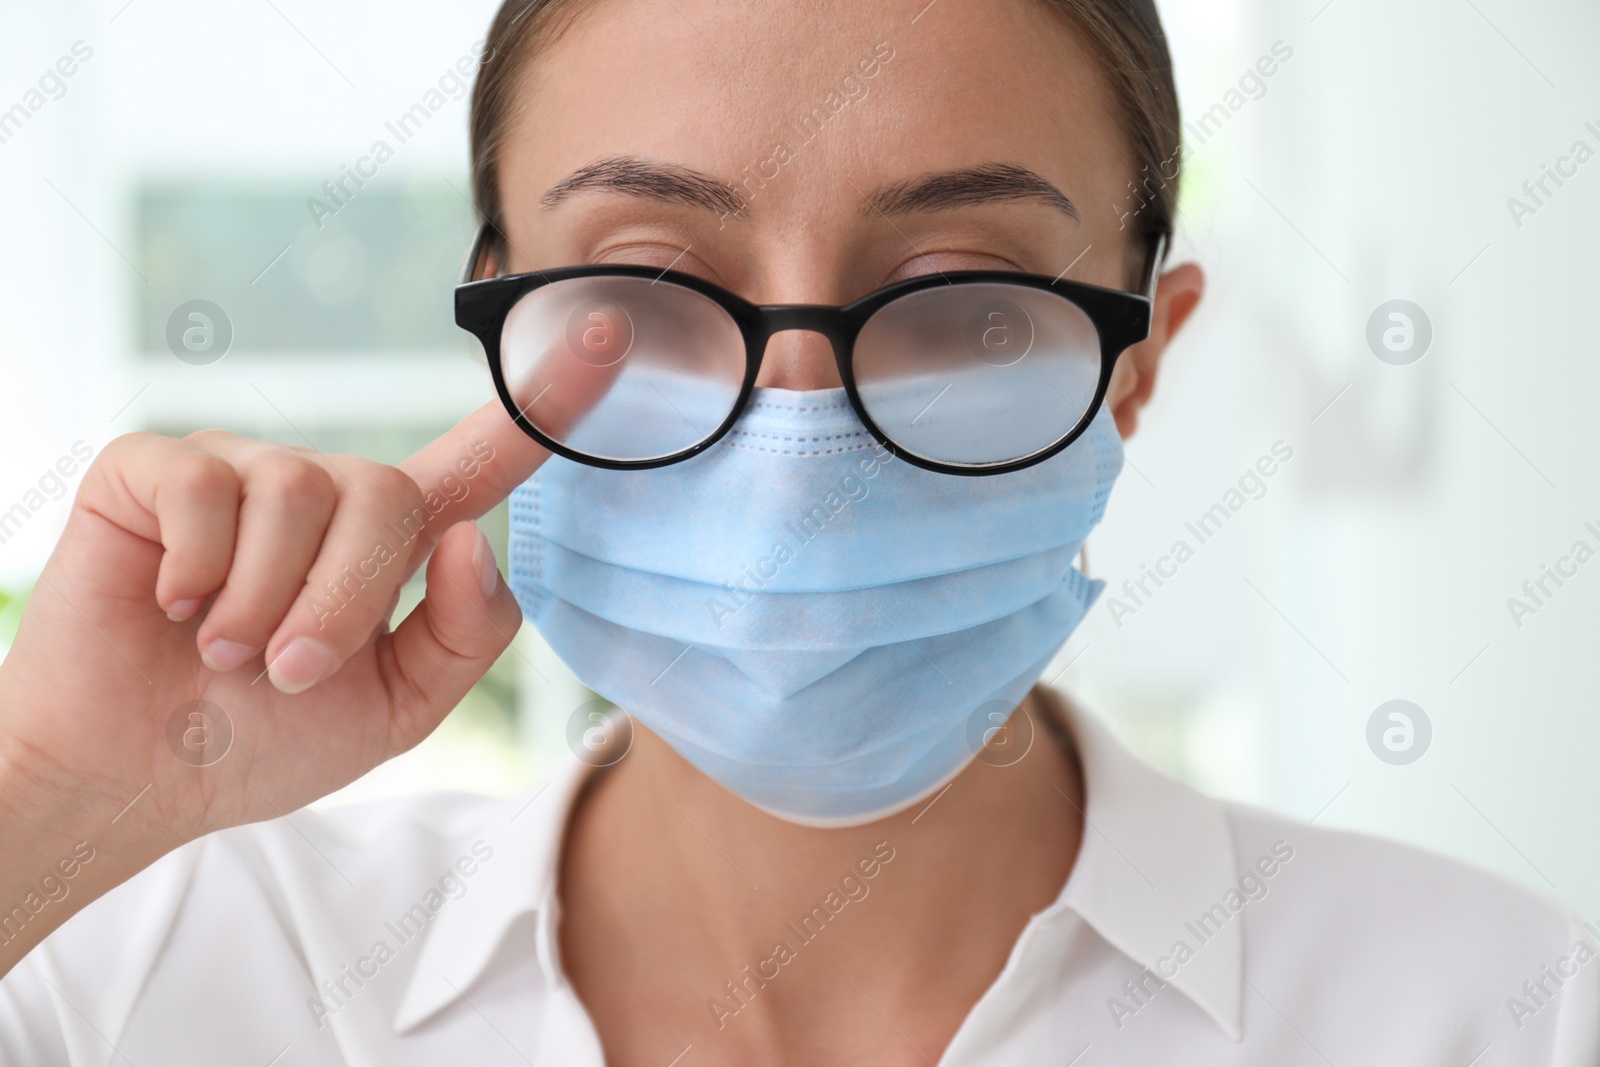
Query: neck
[(691, 917)]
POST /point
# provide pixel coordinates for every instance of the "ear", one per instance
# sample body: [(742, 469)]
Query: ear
[(488, 265), (1134, 380)]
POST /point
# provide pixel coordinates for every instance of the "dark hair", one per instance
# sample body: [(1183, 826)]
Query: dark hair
[(1126, 34)]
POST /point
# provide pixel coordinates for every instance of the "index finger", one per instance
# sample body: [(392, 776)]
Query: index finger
[(468, 470)]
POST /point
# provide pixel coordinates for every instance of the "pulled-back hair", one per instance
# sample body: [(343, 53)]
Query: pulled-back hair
[(1126, 35)]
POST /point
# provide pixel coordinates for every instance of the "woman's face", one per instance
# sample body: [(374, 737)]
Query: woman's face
[(865, 141)]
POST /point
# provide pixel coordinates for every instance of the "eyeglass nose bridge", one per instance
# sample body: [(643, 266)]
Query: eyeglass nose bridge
[(830, 322)]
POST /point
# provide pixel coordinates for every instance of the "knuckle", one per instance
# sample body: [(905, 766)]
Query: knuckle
[(203, 475), (295, 483), (208, 438), (121, 447), (394, 487)]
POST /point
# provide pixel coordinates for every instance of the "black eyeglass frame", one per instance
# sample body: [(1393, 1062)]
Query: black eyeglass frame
[(1121, 319)]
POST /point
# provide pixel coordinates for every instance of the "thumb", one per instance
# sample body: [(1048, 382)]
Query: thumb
[(466, 619)]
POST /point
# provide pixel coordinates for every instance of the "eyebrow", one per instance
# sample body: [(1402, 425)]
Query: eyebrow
[(666, 183), (987, 184), (670, 183)]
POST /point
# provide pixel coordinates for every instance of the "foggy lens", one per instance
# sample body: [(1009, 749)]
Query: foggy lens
[(622, 368), (978, 373)]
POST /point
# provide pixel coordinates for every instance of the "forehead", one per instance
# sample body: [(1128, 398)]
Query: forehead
[(856, 92)]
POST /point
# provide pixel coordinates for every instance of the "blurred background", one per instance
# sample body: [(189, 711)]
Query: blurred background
[(1399, 225)]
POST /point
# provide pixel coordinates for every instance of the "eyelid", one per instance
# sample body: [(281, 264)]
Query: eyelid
[(662, 254), (992, 262)]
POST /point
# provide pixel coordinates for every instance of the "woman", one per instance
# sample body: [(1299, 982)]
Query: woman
[(846, 827)]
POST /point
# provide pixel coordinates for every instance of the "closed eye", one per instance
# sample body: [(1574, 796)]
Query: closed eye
[(947, 261), (660, 255)]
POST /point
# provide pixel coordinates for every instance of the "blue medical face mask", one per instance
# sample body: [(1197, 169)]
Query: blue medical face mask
[(809, 621)]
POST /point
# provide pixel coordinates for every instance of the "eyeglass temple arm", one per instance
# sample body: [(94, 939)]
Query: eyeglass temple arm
[(479, 242), (1152, 269)]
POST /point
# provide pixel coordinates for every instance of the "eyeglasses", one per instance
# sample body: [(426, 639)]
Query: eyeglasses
[(966, 372)]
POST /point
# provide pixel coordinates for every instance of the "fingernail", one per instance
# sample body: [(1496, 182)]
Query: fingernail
[(221, 655), (183, 609), (301, 665), (488, 572)]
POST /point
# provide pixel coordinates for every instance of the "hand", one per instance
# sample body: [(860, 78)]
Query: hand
[(258, 580)]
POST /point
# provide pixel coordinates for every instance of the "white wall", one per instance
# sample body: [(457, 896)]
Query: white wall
[(1378, 166), (191, 89)]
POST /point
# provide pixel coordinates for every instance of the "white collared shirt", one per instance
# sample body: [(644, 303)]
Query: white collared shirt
[(1190, 931)]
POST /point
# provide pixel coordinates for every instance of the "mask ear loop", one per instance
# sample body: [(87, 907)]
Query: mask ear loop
[(1083, 560)]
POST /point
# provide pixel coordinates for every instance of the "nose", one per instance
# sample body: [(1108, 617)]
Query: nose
[(800, 360)]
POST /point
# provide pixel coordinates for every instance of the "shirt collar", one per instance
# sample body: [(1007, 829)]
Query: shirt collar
[(1156, 859), (526, 833)]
